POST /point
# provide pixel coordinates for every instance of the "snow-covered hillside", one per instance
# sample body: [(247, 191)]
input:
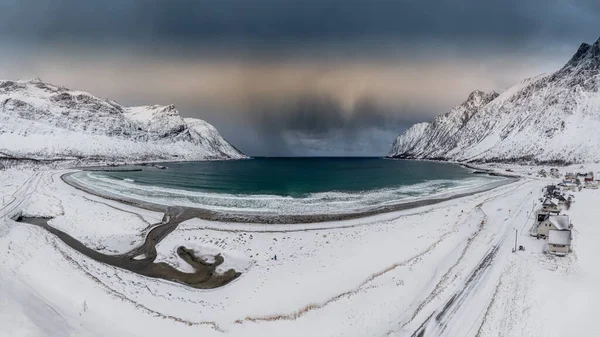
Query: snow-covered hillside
[(551, 118), (43, 121)]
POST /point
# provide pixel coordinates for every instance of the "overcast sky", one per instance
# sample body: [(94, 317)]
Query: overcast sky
[(277, 77)]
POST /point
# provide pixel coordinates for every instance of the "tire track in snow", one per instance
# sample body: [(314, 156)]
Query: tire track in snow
[(21, 195), (437, 322), (439, 286), (442, 283)]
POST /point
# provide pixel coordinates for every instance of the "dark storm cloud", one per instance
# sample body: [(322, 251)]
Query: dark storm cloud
[(319, 114), (300, 77), (197, 21), (315, 121)]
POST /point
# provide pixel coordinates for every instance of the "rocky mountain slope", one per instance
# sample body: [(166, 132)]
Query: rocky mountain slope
[(551, 118), (43, 121)]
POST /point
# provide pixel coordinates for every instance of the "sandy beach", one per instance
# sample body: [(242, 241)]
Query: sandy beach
[(434, 269), (269, 218)]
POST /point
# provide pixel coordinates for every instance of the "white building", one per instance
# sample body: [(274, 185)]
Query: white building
[(551, 205), (559, 242), (554, 222)]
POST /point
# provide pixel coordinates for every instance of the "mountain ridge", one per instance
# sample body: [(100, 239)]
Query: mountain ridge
[(549, 118), (44, 121)]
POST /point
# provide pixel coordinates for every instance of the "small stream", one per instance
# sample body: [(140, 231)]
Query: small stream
[(204, 276)]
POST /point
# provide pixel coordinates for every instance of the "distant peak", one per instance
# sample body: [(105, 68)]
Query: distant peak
[(32, 80), (581, 51), (585, 52), (478, 98), (170, 109), (476, 93)]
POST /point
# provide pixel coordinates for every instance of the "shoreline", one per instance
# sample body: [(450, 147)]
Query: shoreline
[(210, 215)]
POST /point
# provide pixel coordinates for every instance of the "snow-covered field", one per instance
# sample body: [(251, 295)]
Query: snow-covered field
[(445, 269)]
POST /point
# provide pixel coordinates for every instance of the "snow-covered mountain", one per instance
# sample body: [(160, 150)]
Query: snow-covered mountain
[(551, 118), (43, 121)]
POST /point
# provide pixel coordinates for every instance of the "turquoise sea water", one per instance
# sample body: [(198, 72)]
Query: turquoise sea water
[(289, 185)]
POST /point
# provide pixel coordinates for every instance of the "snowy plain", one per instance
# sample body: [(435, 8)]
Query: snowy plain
[(447, 268)]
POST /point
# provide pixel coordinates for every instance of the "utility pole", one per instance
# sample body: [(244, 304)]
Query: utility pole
[(516, 232)]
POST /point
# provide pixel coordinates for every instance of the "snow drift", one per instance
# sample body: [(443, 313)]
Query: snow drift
[(551, 118), (43, 121)]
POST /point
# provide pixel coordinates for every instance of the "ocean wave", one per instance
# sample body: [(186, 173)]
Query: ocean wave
[(314, 203)]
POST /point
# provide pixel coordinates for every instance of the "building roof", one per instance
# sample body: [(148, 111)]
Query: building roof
[(550, 202), (542, 216), (559, 237), (560, 198), (561, 222)]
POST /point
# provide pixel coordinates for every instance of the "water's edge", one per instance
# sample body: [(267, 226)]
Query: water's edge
[(237, 217)]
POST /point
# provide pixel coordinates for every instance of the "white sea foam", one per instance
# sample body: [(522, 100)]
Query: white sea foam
[(314, 203)]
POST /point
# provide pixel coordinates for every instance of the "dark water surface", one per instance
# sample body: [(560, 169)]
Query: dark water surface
[(295, 177), (289, 185)]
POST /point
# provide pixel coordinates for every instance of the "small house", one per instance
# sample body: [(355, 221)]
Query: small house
[(562, 187), (570, 187), (550, 205), (559, 242), (570, 178), (554, 222), (591, 184), (542, 216), (548, 189), (589, 177), (563, 202)]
